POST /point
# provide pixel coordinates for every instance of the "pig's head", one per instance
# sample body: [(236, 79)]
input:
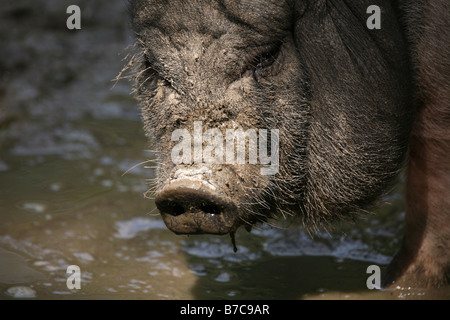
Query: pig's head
[(325, 97)]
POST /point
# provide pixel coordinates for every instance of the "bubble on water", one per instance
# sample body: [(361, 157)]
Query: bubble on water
[(155, 254), (51, 267), (232, 293), (107, 161), (198, 269), (129, 228), (84, 256), (134, 286), (56, 186), (223, 277), (107, 183), (64, 293), (35, 207), (21, 292), (206, 249), (339, 260), (177, 273), (41, 263), (215, 248), (98, 172)]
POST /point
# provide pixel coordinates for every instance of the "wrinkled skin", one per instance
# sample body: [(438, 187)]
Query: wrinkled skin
[(341, 96)]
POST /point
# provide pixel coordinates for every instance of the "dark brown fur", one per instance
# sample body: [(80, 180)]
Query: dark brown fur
[(424, 260)]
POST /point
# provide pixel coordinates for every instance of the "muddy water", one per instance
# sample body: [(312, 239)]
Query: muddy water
[(58, 212), (73, 170)]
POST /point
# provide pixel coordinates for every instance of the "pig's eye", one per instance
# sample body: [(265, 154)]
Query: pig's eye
[(266, 63), (148, 63), (151, 72)]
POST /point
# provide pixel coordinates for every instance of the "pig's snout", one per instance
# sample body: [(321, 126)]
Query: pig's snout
[(192, 207)]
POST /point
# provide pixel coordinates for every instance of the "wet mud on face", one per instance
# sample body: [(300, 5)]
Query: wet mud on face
[(68, 133)]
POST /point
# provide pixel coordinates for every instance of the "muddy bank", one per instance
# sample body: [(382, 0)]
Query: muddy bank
[(52, 77)]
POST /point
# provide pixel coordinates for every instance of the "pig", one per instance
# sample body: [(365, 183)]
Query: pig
[(338, 107)]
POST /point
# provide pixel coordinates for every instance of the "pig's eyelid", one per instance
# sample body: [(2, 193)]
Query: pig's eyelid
[(266, 59), (148, 59), (150, 66), (262, 63)]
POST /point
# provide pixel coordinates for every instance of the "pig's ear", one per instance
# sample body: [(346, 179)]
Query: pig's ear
[(360, 103)]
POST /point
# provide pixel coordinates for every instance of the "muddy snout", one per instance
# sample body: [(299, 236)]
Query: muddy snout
[(192, 207)]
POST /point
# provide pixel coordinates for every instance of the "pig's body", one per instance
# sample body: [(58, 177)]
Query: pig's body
[(340, 95), (424, 259)]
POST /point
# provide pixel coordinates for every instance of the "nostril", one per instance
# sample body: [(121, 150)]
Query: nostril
[(171, 207), (210, 208), (175, 208)]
